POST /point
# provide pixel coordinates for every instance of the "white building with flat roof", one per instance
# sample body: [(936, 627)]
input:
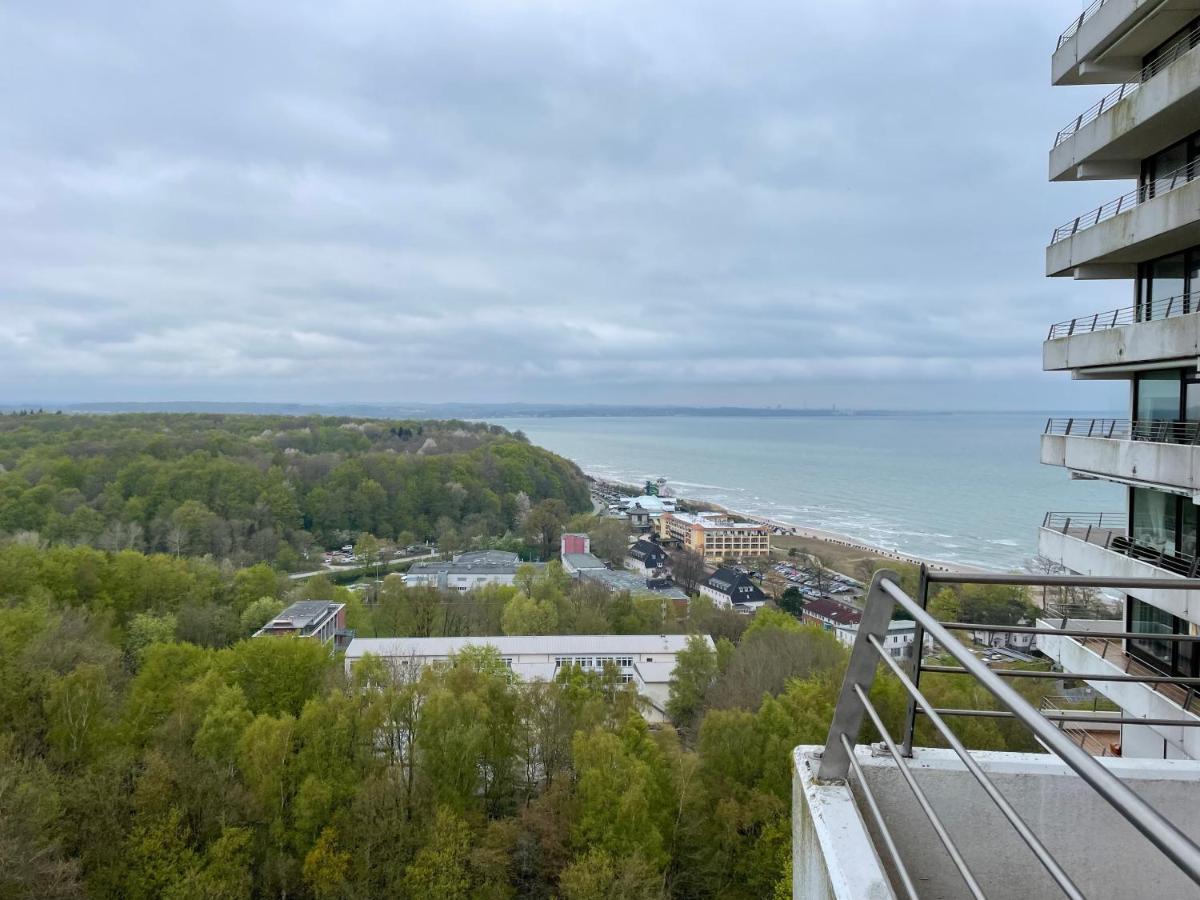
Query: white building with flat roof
[(467, 570), (644, 660)]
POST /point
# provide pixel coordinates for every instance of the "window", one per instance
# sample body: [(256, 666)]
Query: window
[(1155, 623)]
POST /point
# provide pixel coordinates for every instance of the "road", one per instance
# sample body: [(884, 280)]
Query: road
[(333, 570)]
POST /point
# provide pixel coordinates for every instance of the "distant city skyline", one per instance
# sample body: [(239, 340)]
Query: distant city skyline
[(538, 202)]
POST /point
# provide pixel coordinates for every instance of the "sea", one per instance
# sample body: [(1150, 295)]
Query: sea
[(963, 488)]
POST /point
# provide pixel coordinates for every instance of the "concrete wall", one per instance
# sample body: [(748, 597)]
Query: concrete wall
[(1174, 465), (1103, 853), (1090, 559), (1135, 699), (1176, 338), (1163, 225), (1153, 116)]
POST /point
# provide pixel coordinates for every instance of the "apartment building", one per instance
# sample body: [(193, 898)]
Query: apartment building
[(1144, 131), (643, 660), (715, 536), (1085, 818)]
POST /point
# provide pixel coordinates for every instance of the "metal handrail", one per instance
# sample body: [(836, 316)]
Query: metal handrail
[(1141, 194), (1152, 310), (1157, 431), (1185, 43), (854, 703), (1074, 27)]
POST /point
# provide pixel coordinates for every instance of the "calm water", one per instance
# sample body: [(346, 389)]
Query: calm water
[(963, 488)]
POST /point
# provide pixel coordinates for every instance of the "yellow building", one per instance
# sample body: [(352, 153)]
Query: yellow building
[(715, 536)]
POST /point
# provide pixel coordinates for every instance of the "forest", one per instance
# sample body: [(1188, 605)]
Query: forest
[(148, 749), (277, 489)]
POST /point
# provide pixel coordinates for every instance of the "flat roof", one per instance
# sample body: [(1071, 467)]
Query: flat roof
[(515, 645), (583, 561)]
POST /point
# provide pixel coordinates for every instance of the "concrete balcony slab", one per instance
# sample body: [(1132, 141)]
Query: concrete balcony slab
[(1159, 112), (1174, 466), (1108, 47), (1096, 657), (1085, 558), (1153, 341), (1113, 248)]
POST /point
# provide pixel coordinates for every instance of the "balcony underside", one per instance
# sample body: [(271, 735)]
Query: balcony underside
[(1108, 47), (1086, 558), (837, 850), (1175, 467), (1113, 248), (1094, 656), (1161, 111), (1141, 342)]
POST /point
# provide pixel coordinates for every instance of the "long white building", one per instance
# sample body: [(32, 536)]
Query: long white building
[(1143, 134), (644, 660)]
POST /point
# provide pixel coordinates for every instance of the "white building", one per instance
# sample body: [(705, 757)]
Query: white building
[(1145, 135), (467, 571), (644, 660)]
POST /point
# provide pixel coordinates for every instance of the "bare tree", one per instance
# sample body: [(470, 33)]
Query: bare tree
[(687, 568)]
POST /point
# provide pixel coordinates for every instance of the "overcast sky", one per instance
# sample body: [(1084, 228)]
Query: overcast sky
[(700, 202)]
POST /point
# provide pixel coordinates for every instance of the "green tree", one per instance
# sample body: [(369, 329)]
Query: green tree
[(524, 615), (694, 673), (259, 613), (441, 866)]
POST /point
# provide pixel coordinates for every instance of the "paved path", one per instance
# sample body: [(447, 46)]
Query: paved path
[(333, 570)]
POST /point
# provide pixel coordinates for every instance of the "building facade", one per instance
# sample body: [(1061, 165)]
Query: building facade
[(317, 620), (643, 660), (1144, 132), (715, 536)]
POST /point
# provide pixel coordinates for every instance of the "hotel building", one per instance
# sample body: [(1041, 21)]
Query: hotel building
[(715, 536), (1145, 130)]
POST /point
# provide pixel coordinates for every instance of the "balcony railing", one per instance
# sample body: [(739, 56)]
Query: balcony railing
[(1139, 195), (1109, 531), (1154, 430), (1074, 27), (838, 760), (1166, 308), (1111, 99)]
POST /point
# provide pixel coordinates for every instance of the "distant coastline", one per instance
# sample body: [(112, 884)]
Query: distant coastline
[(484, 411)]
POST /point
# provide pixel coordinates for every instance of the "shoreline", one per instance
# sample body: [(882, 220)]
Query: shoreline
[(814, 534)]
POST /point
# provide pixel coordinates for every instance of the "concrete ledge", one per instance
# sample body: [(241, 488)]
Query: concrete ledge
[(1159, 339), (1175, 466), (833, 857)]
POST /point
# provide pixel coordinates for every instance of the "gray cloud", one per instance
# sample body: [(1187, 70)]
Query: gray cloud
[(686, 202)]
